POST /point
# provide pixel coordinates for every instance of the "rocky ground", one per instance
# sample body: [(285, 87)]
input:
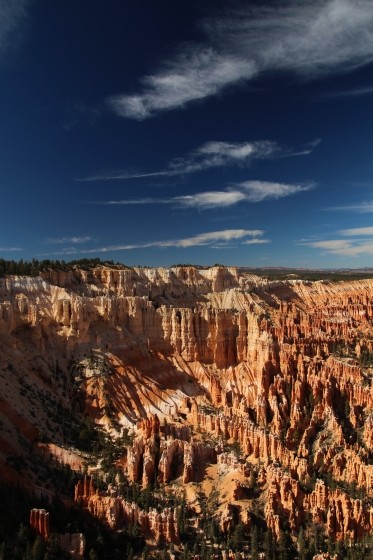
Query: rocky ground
[(225, 404)]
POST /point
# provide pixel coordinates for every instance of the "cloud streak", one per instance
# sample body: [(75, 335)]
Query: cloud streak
[(210, 155), (74, 240), (10, 249), (247, 191), (196, 73), (211, 239), (354, 242), (358, 92), (357, 231), (361, 208), (257, 191), (306, 38)]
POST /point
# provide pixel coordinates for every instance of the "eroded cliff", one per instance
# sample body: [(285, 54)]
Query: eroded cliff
[(211, 372)]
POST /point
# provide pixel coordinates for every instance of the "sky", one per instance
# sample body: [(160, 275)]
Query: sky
[(157, 133)]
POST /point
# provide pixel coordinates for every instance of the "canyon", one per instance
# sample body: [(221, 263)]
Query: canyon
[(219, 389)]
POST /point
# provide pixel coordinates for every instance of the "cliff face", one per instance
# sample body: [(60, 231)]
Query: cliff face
[(72, 543), (117, 512), (192, 361)]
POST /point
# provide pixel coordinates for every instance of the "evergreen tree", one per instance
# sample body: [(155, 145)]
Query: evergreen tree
[(28, 554), (93, 554), (238, 537), (302, 545), (269, 545), (254, 542), (23, 536), (284, 546), (39, 549), (182, 518)]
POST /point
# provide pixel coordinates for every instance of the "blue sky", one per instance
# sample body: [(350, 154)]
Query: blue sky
[(168, 132)]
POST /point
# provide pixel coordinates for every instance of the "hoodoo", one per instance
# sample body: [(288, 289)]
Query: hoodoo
[(171, 404)]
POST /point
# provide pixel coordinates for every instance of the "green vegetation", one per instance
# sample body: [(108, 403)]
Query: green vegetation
[(273, 274), (344, 350), (19, 542), (34, 267)]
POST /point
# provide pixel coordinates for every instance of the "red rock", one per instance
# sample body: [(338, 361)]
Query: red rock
[(39, 521)]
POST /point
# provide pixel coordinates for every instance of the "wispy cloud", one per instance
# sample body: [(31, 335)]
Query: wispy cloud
[(207, 156), (210, 199), (357, 92), (134, 201), (357, 231), (256, 191), (344, 247), (255, 241), (197, 72), (12, 12), (210, 239), (361, 207), (204, 200), (247, 191), (306, 38), (354, 242), (74, 240), (10, 249)]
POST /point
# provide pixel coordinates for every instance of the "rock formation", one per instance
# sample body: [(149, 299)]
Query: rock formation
[(117, 512), (72, 543), (39, 521), (197, 363)]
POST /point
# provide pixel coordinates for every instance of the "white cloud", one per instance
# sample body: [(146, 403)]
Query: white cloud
[(218, 154), (210, 239), (256, 191), (134, 201), (361, 208), (204, 200), (110, 176), (10, 249), (248, 191), (74, 240), (358, 92), (330, 244), (255, 241), (212, 199), (306, 38), (214, 236), (207, 156), (12, 12), (358, 231), (346, 246), (194, 74)]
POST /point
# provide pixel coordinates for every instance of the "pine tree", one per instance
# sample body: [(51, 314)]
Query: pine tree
[(269, 545), (93, 554), (254, 540), (39, 548), (238, 537), (284, 546), (301, 545)]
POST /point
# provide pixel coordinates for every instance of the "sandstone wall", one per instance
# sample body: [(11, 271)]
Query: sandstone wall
[(219, 354)]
